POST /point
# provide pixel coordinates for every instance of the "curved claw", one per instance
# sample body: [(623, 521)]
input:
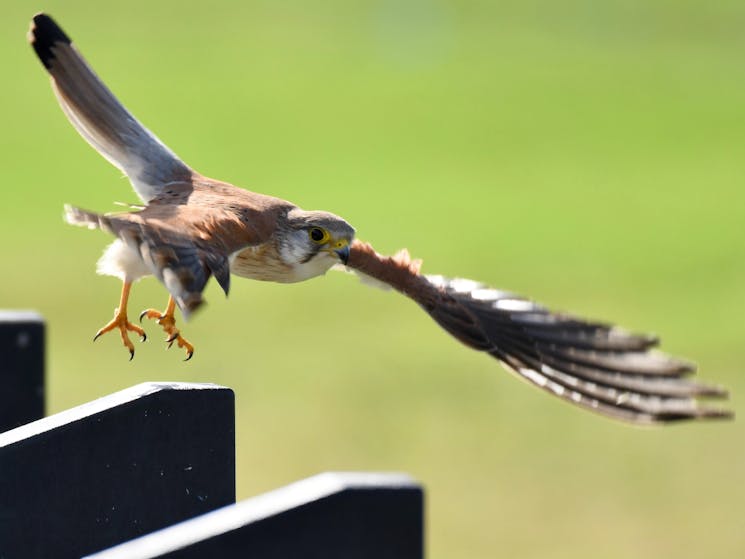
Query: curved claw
[(152, 314), (166, 321), (120, 322)]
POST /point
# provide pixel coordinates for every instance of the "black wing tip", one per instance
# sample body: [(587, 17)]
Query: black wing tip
[(701, 414), (43, 35)]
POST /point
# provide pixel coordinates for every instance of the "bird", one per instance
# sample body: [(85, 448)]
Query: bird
[(190, 228)]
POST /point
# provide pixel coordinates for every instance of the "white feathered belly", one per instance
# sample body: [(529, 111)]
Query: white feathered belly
[(120, 261)]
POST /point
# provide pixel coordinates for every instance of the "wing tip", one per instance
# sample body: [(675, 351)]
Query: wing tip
[(718, 413), (701, 413), (43, 35)]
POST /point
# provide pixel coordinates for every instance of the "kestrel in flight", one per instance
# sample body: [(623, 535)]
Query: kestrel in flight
[(191, 227)]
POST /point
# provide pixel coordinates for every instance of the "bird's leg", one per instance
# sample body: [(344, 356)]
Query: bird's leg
[(120, 321), (168, 322)]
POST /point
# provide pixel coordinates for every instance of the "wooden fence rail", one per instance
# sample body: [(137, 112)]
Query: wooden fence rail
[(22, 367), (328, 516), (150, 472), (114, 469)]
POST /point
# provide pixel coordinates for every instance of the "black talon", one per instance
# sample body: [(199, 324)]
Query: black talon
[(173, 338), (189, 356), (97, 335), (142, 314), (131, 354), (143, 338)]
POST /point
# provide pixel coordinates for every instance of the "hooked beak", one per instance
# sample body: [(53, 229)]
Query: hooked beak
[(343, 254)]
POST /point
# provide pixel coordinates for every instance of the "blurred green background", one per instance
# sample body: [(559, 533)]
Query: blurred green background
[(590, 154)]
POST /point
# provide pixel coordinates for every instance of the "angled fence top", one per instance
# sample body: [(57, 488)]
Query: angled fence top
[(94, 407), (328, 515), (116, 468)]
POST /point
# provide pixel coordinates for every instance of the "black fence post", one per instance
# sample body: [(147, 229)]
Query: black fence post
[(21, 368), (115, 468), (328, 516)]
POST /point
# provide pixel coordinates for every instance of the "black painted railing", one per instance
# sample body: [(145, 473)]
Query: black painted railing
[(150, 472)]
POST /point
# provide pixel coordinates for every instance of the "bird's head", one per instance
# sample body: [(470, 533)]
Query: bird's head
[(313, 241)]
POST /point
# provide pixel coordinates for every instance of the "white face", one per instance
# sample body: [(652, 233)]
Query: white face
[(295, 254), (316, 266)]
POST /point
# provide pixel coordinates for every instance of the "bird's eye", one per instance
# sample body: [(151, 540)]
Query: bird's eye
[(318, 235)]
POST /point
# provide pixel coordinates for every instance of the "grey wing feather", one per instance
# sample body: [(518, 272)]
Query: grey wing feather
[(100, 118), (594, 365), (182, 265)]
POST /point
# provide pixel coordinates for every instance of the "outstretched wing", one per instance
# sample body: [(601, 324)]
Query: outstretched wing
[(597, 366), (100, 118)]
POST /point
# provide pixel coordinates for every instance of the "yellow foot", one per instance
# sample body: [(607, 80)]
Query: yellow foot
[(120, 321), (168, 323)]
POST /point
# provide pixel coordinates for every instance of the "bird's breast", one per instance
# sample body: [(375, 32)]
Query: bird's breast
[(263, 262)]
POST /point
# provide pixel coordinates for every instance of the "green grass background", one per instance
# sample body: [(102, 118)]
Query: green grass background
[(590, 154)]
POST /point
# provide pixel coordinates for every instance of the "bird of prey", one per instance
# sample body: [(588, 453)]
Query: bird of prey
[(190, 227)]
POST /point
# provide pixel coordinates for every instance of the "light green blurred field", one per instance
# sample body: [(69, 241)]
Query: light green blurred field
[(588, 154)]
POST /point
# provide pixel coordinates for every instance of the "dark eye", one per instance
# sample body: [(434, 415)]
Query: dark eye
[(318, 234)]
